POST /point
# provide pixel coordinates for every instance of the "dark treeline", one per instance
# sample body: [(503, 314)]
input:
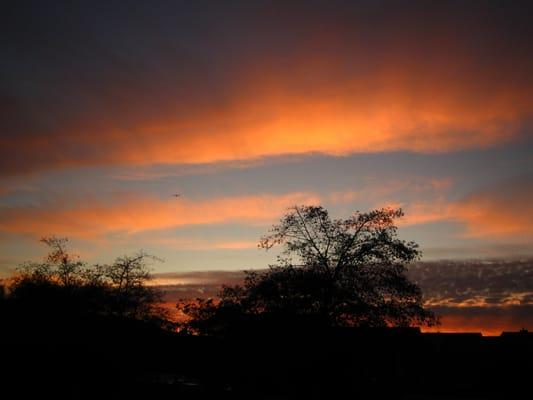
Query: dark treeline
[(67, 326), (335, 317)]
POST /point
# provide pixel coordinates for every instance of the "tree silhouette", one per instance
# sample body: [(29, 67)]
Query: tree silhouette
[(333, 272), (128, 276), (64, 284), (78, 328)]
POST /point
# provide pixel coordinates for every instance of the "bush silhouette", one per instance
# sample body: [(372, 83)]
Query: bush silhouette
[(63, 286)]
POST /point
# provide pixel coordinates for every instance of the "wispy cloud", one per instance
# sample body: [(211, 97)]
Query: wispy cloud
[(92, 218), (501, 210)]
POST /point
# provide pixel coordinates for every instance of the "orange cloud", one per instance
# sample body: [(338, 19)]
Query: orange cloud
[(337, 80), (502, 210), (343, 118), (93, 219), (236, 245), (424, 213), (201, 244), (314, 106)]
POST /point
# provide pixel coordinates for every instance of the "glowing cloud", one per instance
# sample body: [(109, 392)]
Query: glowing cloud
[(94, 219), (340, 80), (501, 210)]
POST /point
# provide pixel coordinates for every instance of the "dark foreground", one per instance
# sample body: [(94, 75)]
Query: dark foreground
[(134, 360)]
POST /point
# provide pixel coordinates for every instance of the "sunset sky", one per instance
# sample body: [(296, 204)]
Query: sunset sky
[(245, 108)]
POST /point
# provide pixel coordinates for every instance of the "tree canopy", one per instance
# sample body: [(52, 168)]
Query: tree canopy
[(64, 285), (335, 272)]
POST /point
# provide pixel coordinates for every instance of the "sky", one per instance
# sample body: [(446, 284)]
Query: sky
[(245, 108)]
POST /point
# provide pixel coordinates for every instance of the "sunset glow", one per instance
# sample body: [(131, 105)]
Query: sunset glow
[(189, 130)]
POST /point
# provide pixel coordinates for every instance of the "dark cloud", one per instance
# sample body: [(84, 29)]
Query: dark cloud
[(496, 282), (202, 277), (190, 285), (493, 281), (478, 295)]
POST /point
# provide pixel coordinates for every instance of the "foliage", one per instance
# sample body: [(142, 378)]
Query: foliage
[(348, 272), (63, 283)]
